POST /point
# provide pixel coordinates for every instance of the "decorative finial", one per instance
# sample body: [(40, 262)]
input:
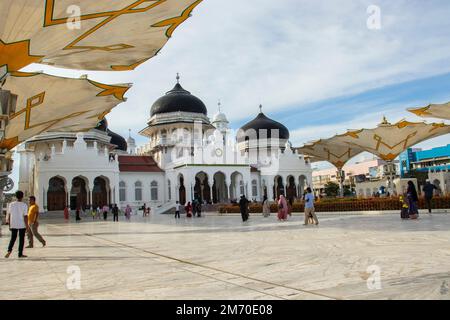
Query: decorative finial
[(220, 105), (178, 77), (129, 133), (260, 108), (384, 121)]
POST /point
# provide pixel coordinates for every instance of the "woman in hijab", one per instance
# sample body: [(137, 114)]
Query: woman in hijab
[(282, 208), (128, 211), (412, 199), (188, 209), (265, 207)]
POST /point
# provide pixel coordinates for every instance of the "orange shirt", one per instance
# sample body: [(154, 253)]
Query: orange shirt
[(33, 213)]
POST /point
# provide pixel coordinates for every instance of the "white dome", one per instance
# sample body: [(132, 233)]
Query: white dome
[(219, 117)]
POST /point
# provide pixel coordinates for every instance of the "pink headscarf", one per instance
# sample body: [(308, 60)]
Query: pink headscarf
[(283, 202)]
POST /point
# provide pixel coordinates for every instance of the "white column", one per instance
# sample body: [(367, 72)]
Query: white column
[(270, 185)]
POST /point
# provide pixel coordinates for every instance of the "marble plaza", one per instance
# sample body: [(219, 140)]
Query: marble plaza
[(219, 257)]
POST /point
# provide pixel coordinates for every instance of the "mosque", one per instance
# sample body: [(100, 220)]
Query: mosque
[(187, 155)]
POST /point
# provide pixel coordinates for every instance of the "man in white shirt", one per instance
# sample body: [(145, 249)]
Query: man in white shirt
[(17, 218)]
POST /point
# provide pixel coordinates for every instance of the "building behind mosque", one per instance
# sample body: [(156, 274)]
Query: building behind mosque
[(188, 155)]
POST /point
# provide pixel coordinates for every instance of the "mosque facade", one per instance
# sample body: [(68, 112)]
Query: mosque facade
[(188, 155)]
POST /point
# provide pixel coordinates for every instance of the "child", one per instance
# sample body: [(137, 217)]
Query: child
[(404, 211)]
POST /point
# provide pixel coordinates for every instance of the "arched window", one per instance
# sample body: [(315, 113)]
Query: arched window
[(254, 188), (169, 193), (241, 184), (154, 191), (122, 191), (138, 191)]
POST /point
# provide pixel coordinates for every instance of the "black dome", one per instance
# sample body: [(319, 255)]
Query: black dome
[(116, 139), (176, 100), (261, 122)]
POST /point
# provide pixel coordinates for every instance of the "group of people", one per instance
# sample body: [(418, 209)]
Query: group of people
[(284, 208), (193, 209), (96, 213), (23, 219), (410, 208)]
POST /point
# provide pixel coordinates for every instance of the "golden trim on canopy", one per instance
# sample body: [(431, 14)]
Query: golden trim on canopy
[(109, 35), (440, 111), (50, 103)]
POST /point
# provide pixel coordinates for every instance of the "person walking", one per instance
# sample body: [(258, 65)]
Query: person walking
[(290, 203), (188, 209), (412, 198), (199, 209), (194, 206), (428, 189), (105, 212), (128, 211), (66, 213), (177, 210), (265, 207), (282, 208), (243, 206), (17, 218), (115, 211), (309, 207), (77, 215), (33, 223), (144, 212)]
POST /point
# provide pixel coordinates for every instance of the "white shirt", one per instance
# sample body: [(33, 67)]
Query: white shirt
[(17, 210), (177, 207)]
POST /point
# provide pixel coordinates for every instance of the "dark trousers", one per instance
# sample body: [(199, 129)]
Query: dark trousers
[(21, 240), (105, 215), (116, 217), (428, 203), (177, 214)]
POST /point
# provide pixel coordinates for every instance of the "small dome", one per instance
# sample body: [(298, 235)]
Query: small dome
[(116, 139), (219, 117), (176, 100), (261, 122)]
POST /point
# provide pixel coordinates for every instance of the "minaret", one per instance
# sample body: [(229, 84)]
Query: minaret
[(220, 120), (131, 144)]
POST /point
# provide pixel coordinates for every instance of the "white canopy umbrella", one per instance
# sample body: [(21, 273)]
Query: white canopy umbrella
[(387, 140), (440, 111), (88, 35), (330, 150), (49, 103), (333, 151)]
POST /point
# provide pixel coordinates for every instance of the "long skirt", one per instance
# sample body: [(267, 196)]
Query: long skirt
[(282, 214), (413, 211)]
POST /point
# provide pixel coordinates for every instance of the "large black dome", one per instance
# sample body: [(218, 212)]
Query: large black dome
[(176, 100), (261, 122)]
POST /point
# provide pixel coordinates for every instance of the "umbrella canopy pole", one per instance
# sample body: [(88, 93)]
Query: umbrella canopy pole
[(341, 178), (390, 177)]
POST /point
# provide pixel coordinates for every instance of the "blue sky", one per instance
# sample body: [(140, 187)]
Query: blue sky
[(314, 65)]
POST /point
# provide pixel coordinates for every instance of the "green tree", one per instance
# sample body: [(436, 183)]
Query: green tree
[(347, 191), (332, 189)]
